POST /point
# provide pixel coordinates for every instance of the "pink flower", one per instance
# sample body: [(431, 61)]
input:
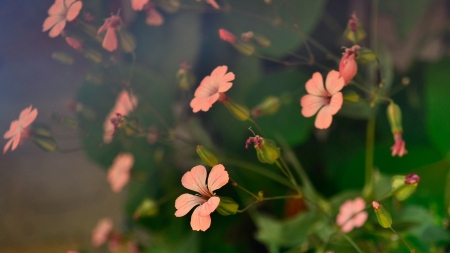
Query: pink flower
[(348, 66), (138, 5), (111, 24), (74, 43), (207, 200), (399, 146), (60, 12), (154, 17), (351, 215), (124, 105), (119, 172), (100, 233), (213, 3), (211, 87), (327, 101), (18, 129), (227, 36)]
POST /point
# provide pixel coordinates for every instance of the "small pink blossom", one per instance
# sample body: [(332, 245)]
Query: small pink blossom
[(119, 172), (111, 24), (125, 103), (399, 146), (351, 215), (348, 66), (195, 180), (74, 43), (211, 87), (154, 17), (227, 36), (60, 12), (18, 129), (101, 232), (327, 101), (138, 5)]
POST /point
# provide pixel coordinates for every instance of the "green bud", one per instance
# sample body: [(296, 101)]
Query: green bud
[(350, 97), (402, 187), (227, 206), (269, 106), (366, 56), (383, 215), (239, 111), (148, 208), (46, 143), (267, 152), (394, 115), (185, 79), (354, 31), (206, 156), (244, 47)]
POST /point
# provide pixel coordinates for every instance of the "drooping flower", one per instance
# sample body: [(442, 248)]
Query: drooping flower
[(351, 215), (210, 89), (138, 5), (195, 180), (119, 172), (348, 66), (154, 17), (111, 24), (125, 103), (18, 129), (399, 146), (101, 232), (60, 12), (327, 101)]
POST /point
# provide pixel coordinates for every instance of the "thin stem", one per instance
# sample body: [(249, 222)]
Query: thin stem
[(284, 172), (235, 184), (407, 245), (257, 126), (367, 191), (294, 182)]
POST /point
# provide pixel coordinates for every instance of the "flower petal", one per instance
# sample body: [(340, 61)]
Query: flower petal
[(110, 40), (185, 202), (208, 207), (311, 104), (154, 18), (49, 22), (359, 219), (314, 86), (334, 82), (27, 117), (8, 144), (16, 141), (57, 8), (218, 177), (219, 72), (336, 102), (57, 29), (324, 118), (138, 5), (13, 129), (200, 222), (195, 180), (213, 3), (74, 10)]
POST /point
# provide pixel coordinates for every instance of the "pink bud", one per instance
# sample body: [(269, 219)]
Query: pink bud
[(376, 205), (348, 66), (74, 43), (227, 36), (412, 179), (353, 22)]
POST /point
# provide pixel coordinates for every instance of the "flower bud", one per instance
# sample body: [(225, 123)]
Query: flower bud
[(354, 31), (403, 187), (206, 156), (148, 208), (185, 78), (383, 216), (412, 179), (268, 107), (366, 56), (244, 48), (227, 206), (348, 67), (350, 96), (42, 137), (227, 36), (239, 111), (266, 150), (74, 43), (258, 39), (394, 115)]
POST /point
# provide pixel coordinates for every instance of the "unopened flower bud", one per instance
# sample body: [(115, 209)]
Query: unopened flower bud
[(412, 179), (258, 39), (269, 106), (354, 31), (148, 208), (348, 67), (394, 115), (350, 96), (227, 206), (185, 77), (206, 156), (41, 136), (227, 36), (244, 48), (366, 56), (401, 189), (74, 43), (239, 111), (383, 216), (266, 150)]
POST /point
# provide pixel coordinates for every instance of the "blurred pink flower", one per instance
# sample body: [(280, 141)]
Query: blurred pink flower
[(100, 233), (207, 200), (18, 129), (348, 66), (351, 215), (154, 17), (327, 101), (74, 43), (138, 5), (124, 105), (399, 147), (211, 87), (60, 12), (111, 24), (213, 3), (119, 172), (71, 251), (227, 36)]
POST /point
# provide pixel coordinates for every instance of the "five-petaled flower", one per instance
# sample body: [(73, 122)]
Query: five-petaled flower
[(351, 215), (327, 101), (207, 200), (119, 172), (101, 232), (111, 24), (18, 129), (60, 12), (211, 88)]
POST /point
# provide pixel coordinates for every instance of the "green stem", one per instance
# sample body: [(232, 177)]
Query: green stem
[(367, 191), (407, 245), (235, 184)]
